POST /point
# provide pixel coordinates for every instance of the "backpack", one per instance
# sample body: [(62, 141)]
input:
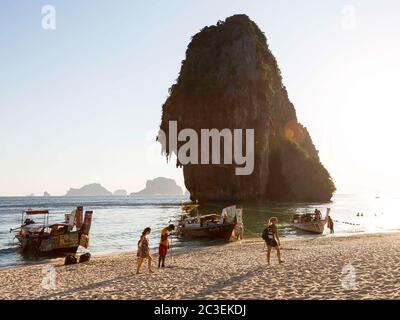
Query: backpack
[(70, 259), (264, 234), (84, 257)]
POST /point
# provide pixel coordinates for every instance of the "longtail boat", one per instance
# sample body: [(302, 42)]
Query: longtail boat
[(36, 234), (311, 222), (211, 226)]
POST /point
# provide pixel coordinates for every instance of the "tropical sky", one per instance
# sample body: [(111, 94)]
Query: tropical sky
[(81, 103)]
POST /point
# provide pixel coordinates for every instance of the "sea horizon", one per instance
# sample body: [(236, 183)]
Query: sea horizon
[(213, 150), (118, 221)]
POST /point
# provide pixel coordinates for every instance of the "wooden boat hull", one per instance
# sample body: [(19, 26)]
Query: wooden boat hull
[(67, 243), (218, 231), (312, 226)]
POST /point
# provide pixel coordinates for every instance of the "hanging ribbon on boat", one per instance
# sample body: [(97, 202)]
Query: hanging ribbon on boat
[(228, 214)]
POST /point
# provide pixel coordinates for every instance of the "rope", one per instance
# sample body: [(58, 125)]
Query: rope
[(350, 223), (281, 211), (266, 210), (278, 210), (251, 232)]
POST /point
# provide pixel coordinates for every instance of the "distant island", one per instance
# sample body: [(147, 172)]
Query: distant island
[(160, 186), (46, 194), (120, 193), (90, 190)]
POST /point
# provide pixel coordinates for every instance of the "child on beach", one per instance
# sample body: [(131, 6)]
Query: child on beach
[(272, 239), (144, 250), (164, 244)]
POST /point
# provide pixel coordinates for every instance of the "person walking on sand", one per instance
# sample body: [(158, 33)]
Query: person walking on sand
[(330, 224), (144, 251), (272, 239), (164, 245)]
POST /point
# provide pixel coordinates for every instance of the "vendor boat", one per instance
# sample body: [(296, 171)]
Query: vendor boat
[(37, 234), (311, 222), (210, 226)]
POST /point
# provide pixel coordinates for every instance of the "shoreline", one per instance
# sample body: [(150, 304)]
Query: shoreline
[(183, 249), (314, 268)]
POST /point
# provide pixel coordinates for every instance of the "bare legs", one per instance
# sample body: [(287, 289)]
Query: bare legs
[(268, 254), (161, 261), (150, 260), (140, 262), (278, 253)]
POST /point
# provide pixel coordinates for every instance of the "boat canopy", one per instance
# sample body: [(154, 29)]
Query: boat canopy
[(29, 212)]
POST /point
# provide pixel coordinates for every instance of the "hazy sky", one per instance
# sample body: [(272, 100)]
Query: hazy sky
[(82, 103)]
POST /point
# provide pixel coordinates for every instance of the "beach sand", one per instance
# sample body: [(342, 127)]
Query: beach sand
[(313, 269)]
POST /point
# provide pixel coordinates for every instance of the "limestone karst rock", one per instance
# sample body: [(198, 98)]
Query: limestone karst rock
[(90, 190), (230, 79), (120, 193), (160, 187)]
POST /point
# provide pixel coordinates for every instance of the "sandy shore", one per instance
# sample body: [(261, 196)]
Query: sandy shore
[(313, 269)]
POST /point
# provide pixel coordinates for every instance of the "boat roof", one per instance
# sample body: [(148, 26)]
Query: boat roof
[(30, 212)]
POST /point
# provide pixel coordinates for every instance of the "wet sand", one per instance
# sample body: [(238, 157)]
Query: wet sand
[(363, 266)]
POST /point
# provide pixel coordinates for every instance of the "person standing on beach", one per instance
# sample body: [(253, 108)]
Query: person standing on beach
[(272, 239), (144, 250), (164, 245), (330, 224), (239, 228)]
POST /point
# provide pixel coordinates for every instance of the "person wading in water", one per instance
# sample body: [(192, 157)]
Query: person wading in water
[(271, 237), (164, 245)]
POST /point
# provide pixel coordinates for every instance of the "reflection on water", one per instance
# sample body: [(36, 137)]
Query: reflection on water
[(118, 222)]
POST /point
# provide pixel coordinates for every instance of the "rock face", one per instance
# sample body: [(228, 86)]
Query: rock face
[(161, 186), (90, 190), (230, 79)]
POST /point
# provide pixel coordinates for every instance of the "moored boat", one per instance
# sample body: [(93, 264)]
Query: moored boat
[(311, 222), (47, 237), (210, 226)]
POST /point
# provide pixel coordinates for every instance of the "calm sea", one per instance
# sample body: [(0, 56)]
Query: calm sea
[(119, 221)]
